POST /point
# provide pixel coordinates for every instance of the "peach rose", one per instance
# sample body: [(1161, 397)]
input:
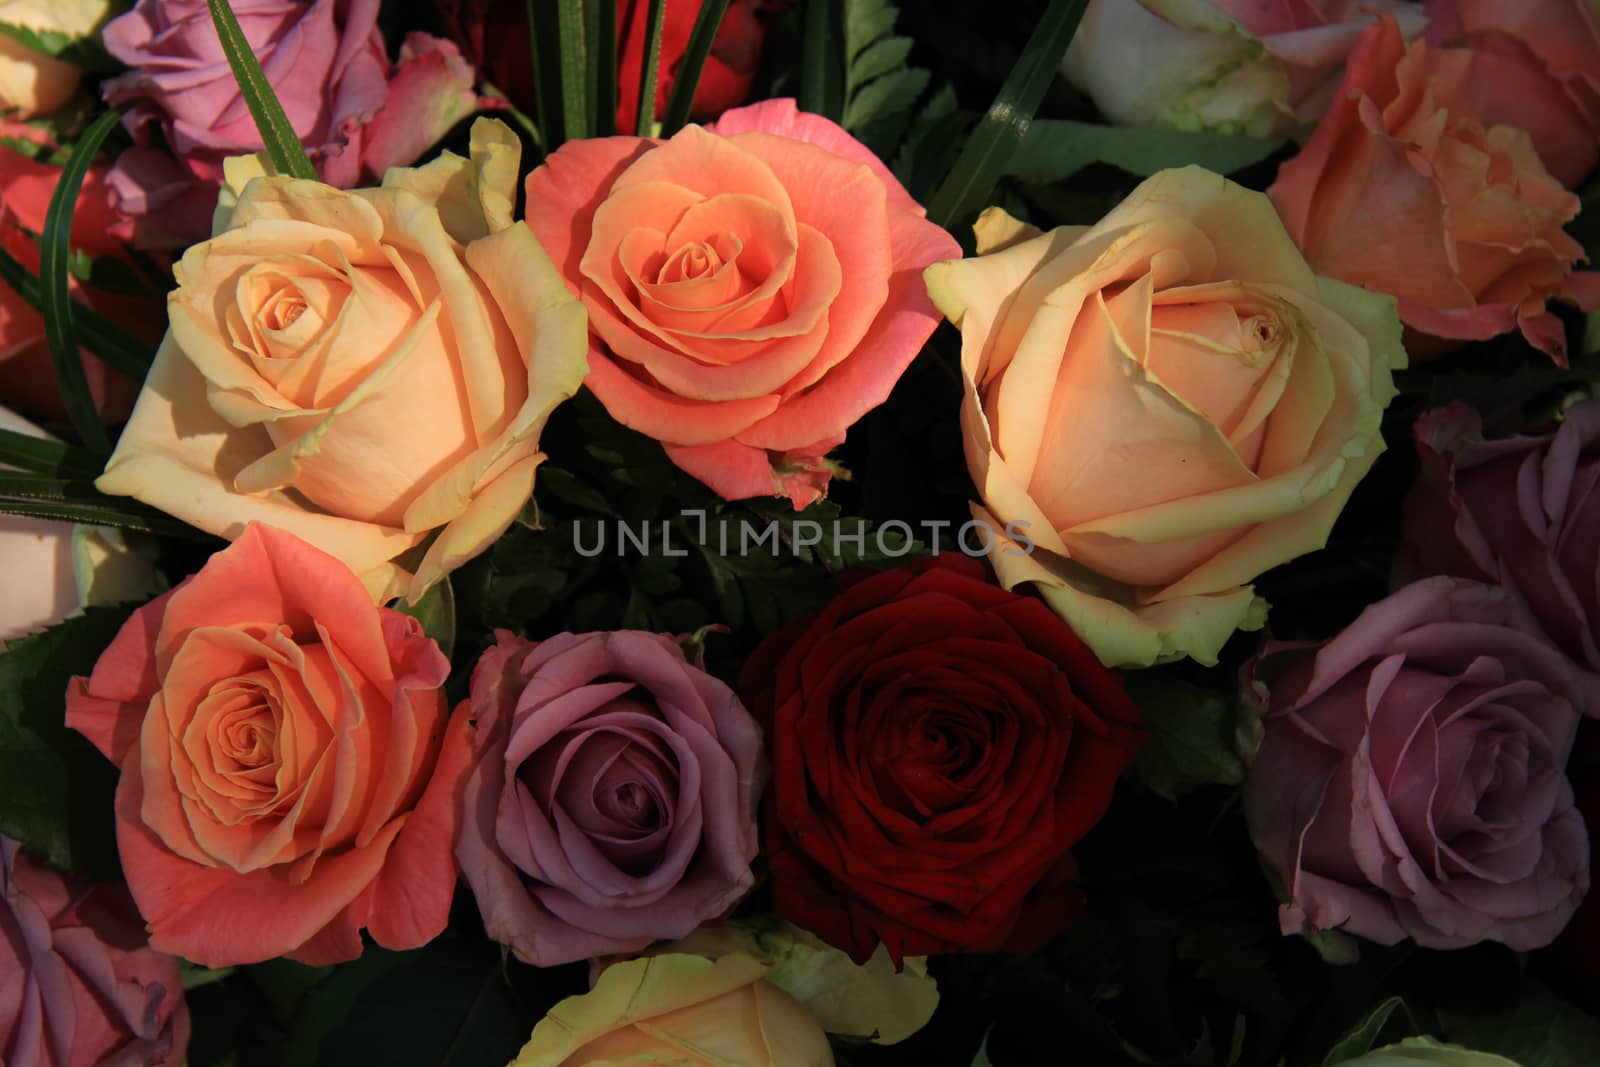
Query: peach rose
[(679, 1009), (290, 772), (1166, 404), (753, 288), (368, 369), (32, 83), (1403, 189)]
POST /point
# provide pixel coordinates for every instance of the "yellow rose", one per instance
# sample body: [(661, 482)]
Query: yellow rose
[(679, 1009), (31, 83), (367, 369), (1162, 406)]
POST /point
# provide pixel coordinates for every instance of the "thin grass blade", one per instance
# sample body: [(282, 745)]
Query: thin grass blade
[(283, 145), (701, 38)]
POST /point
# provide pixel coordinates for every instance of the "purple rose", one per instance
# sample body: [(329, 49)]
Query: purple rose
[(613, 796), (78, 985), (325, 61), (1521, 512), (1410, 780)]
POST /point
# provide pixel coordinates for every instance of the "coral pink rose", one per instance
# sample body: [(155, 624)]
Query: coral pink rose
[(1403, 189), (1536, 66), (78, 985), (27, 379), (753, 288), (288, 774)]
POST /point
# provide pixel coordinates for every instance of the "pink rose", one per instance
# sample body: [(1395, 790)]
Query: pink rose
[(288, 774), (1536, 66), (612, 799), (325, 61), (78, 985), (1405, 189), (1411, 780), (753, 288), (1522, 512)]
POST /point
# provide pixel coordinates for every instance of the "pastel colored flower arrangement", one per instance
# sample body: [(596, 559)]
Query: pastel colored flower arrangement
[(738, 533)]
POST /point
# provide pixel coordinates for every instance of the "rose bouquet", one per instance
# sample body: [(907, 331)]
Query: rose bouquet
[(739, 533)]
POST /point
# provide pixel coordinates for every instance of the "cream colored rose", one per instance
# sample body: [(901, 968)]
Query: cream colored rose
[(1165, 405), (368, 369), (32, 83)]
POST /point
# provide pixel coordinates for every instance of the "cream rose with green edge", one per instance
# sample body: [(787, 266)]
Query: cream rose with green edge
[(1426, 1052), (1165, 405), (368, 369), (679, 1009)]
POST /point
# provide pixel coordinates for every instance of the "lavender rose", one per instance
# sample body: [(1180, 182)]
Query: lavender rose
[(78, 986), (1522, 512), (325, 60), (1410, 781), (613, 797)]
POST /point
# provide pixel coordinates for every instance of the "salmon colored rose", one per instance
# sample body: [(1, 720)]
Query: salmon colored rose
[(32, 83), (370, 370), (1405, 189), (1536, 66), (1166, 405), (753, 288), (679, 1009), (290, 773)]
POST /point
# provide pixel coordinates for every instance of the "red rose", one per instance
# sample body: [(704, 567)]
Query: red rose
[(938, 745), (494, 35)]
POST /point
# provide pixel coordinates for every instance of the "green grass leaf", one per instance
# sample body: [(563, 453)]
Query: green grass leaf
[(601, 21), (283, 145), (650, 68), (1055, 149), (570, 32), (36, 455), (544, 51), (113, 512), (991, 145), (701, 38), (56, 305), (821, 76)]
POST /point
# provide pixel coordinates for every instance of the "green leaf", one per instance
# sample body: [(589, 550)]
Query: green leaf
[(989, 149), (1056, 149), (1191, 736), (600, 19), (821, 78), (29, 453), (85, 53), (447, 1004), (879, 87), (701, 38), (574, 72), (99, 335), (892, 94), (56, 306), (1364, 1035), (55, 787), (283, 145), (1539, 1030), (650, 68), (437, 613)]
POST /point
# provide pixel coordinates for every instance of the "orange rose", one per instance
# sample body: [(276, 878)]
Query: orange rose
[(753, 288), (1402, 189), (288, 777)]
